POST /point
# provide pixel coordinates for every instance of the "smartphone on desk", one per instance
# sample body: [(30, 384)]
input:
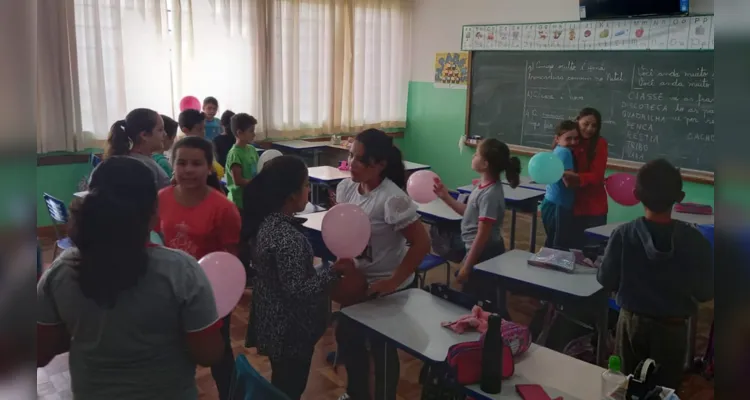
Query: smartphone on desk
[(533, 392)]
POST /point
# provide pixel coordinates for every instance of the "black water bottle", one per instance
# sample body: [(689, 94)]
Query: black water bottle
[(492, 357)]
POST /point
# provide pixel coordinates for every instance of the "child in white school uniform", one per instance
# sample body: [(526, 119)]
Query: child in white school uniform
[(482, 223), (376, 185)]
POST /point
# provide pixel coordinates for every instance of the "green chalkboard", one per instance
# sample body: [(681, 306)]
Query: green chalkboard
[(653, 103)]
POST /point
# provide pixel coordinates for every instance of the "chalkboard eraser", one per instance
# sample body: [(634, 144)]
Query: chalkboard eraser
[(475, 139)]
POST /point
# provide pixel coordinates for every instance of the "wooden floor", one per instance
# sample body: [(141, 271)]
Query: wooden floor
[(325, 383)]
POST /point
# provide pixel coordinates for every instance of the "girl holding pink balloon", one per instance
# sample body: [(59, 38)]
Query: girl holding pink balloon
[(591, 154), (482, 222), (199, 220), (146, 311), (377, 187), (290, 302)]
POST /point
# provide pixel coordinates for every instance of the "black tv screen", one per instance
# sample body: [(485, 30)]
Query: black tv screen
[(606, 9)]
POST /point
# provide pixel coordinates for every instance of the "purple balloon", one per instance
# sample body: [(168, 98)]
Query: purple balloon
[(226, 274), (346, 230)]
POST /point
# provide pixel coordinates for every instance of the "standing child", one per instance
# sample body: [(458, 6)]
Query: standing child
[(482, 222), (557, 207), (660, 269), (213, 125), (377, 186), (170, 132), (193, 123), (290, 302), (242, 159), (225, 141), (139, 135), (590, 205), (199, 220), (119, 303)]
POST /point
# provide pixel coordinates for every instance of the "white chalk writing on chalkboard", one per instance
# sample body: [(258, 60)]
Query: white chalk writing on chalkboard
[(653, 104)]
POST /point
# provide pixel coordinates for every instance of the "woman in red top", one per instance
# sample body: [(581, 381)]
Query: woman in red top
[(197, 219), (590, 207)]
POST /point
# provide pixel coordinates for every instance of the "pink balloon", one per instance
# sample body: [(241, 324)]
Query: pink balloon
[(420, 186), (346, 230), (227, 276), (190, 103), (621, 187)]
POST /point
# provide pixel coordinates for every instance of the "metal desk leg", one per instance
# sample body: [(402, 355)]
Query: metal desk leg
[(602, 334), (532, 239), (512, 229), (316, 158)]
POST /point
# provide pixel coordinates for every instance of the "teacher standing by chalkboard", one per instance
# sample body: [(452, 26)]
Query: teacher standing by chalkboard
[(590, 206)]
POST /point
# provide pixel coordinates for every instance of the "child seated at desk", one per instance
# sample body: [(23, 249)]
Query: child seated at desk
[(660, 269), (482, 223)]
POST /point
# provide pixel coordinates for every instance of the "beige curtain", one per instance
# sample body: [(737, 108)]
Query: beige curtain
[(123, 61), (58, 120), (302, 67)]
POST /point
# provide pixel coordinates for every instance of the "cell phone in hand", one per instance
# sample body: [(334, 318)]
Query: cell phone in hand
[(532, 392)]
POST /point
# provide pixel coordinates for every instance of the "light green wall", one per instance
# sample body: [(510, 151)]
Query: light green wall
[(434, 123)]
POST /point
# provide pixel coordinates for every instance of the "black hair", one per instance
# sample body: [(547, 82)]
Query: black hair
[(378, 146), (267, 193), (125, 133), (190, 118), (658, 185), (170, 127), (211, 100), (590, 111), (111, 227), (497, 155), (226, 121), (195, 142), (242, 122)]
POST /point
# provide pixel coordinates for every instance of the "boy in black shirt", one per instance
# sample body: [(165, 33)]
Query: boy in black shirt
[(661, 269), (225, 141)]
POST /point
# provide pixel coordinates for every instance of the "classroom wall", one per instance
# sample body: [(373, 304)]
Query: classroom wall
[(436, 117)]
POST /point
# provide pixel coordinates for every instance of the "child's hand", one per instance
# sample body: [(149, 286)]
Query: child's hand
[(440, 190), (344, 266), (571, 179), (463, 274)]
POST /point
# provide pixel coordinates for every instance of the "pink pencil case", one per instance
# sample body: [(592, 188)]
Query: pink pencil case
[(693, 208)]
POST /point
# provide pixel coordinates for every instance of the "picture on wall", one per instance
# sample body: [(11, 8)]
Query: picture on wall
[(451, 70)]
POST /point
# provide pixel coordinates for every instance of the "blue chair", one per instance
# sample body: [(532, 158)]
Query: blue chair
[(59, 215), (94, 160), (429, 262), (248, 384)]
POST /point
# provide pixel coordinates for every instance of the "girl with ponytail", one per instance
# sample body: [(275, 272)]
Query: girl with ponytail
[(144, 310), (289, 305), (482, 223), (139, 135), (377, 186)]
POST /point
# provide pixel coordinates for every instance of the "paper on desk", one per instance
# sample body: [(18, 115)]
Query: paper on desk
[(619, 394)]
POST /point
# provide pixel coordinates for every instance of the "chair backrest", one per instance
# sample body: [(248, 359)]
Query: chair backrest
[(56, 209), (459, 298), (94, 160), (248, 384)]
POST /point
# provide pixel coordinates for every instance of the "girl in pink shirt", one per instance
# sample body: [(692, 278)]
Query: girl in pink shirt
[(197, 219)]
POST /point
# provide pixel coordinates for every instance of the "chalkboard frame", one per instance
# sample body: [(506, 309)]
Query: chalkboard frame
[(690, 175)]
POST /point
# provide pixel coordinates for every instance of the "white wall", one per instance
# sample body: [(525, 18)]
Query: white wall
[(436, 24)]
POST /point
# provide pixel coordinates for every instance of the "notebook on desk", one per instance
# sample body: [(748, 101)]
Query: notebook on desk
[(556, 259)]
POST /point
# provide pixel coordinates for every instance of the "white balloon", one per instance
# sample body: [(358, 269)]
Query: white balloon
[(267, 156)]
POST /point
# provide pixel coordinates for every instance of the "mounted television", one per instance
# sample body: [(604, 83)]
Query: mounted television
[(610, 9)]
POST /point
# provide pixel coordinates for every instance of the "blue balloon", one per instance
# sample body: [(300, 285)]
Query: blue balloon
[(545, 168), (156, 239)]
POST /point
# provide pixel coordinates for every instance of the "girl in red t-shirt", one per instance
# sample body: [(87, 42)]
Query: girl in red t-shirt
[(197, 219), (590, 206)]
